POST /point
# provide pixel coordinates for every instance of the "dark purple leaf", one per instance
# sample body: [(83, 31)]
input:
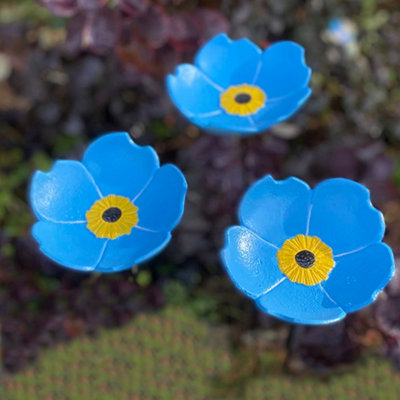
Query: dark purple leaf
[(62, 8), (264, 156), (96, 31), (166, 59), (133, 7), (75, 28), (210, 22), (91, 5), (136, 53), (183, 32), (153, 26)]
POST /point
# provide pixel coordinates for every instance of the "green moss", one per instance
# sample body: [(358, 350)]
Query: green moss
[(159, 356), (371, 378), (27, 10), (175, 355)]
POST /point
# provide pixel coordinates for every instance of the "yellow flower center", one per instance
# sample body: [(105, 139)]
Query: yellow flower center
[(242, 99), (112, 216), (305, 259)]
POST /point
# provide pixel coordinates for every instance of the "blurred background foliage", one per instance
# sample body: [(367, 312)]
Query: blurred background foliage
[(73, 69)]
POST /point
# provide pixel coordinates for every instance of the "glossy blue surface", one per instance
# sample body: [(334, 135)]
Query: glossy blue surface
[(340, 213), (301, 304), (115, 161), (343, 216), (249, 257), (276, 210), (50, 190), (71, 245), (280, 71), (113, 164), (166, 208), (366, 270), (128, 250)]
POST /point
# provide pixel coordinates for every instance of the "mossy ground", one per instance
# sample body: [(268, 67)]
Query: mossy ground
[(174, 355)]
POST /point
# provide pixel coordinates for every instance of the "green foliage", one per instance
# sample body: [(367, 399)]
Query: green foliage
[(143, 278), (64, 144), (161, 356), (15, 171), (176, 293), (371, 378), (396, 175), (205, 307), (160, 130), (200, 304), (11, 11), (174, 355)]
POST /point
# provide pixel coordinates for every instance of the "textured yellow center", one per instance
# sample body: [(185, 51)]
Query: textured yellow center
[(305, 259), (242, 99), (112, 216)]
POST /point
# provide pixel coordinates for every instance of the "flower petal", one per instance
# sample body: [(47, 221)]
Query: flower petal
[(119, 166), (357, 278), (273, 112), (294, 302), (283, 69), (128, 250), (222, 60), (71, 245), (162, 202), (250, 262), (63, 194), (343, 217), (224, 124), (192, 92), (276, 210), (279, 110)]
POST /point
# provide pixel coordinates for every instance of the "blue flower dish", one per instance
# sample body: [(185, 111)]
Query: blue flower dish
[(109, 212), (305, 255), (235, 87)]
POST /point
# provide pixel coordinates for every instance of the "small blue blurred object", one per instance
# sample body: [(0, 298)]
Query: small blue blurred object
[(341, 31)]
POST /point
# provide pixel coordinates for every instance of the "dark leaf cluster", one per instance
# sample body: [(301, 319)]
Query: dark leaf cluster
[(149, 37)]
